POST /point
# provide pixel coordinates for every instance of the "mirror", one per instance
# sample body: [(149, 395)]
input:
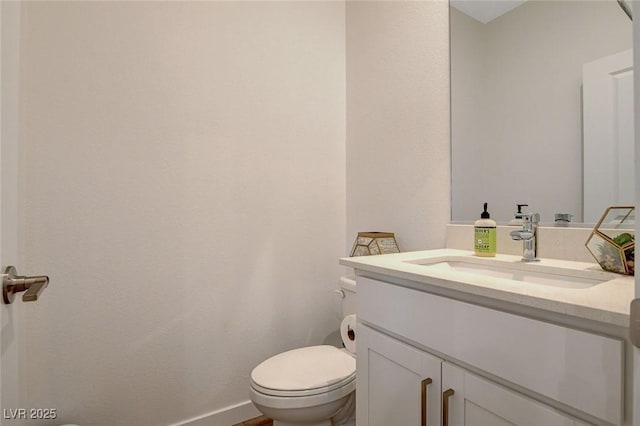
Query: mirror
[(516, 103)]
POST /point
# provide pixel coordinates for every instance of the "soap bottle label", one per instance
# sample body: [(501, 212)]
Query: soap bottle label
[(485, 240)]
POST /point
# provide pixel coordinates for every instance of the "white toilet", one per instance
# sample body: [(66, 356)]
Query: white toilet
[(311, 386)]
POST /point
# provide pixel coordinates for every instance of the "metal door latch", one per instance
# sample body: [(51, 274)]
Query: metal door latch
[(634, 323), (13, 283)]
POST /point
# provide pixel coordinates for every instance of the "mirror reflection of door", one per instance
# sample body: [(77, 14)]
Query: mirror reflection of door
[(608, 133)]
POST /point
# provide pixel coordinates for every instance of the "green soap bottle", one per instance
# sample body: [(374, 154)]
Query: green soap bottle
[(485, 235)]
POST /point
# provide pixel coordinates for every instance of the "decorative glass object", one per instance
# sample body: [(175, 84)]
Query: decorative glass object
[(612, 242), (368, 243)]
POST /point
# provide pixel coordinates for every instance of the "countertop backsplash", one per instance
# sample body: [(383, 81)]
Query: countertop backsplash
[(553, 242)]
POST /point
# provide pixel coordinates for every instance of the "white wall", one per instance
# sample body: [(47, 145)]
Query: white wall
[(517, 138), (398, 120), (184, 184)]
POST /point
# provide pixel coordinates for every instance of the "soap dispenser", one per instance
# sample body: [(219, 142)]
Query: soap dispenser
[(517, 219), (485, 235)]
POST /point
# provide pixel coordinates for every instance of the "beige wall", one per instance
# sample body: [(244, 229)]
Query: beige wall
[(398, 120), (516, 104), (185, 186), (184, 189)]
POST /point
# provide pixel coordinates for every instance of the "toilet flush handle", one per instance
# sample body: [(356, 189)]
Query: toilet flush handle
[(12, 283)]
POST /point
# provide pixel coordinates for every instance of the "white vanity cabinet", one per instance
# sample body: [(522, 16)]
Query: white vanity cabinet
[(397, 383), (511, 364), (474, 401)]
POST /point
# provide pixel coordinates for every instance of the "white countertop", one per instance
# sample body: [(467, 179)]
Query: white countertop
[(607, 302)]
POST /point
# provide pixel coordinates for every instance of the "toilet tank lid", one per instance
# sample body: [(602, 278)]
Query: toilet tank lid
[(348, 282), (305, 368)]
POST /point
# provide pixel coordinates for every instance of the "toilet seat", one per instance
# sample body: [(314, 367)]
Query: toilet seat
[(301, 401), (304, 377), (309, 392), (304, 371)]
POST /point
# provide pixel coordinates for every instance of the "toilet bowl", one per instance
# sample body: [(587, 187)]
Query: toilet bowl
[(310, 386), (306, 386)]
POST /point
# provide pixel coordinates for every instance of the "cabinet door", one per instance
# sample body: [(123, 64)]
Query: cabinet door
[(397, 384), (480, 402)]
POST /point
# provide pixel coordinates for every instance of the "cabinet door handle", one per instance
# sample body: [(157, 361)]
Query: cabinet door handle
[(426, 382), (445, 406)]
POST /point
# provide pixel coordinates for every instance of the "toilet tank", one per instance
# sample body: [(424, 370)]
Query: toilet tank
[(348, 287)]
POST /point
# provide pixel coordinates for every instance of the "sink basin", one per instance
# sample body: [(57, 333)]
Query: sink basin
[(534, 273)]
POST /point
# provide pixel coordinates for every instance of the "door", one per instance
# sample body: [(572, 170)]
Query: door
[(608, 158), (9, 329), (636, 351), (397, 383), (480, 402)]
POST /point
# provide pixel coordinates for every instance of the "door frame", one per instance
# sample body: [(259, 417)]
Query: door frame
[(606, 160), (636, 80), (10, 16)]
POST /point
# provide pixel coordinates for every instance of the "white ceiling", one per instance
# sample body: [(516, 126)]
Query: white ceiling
[(485, 10)]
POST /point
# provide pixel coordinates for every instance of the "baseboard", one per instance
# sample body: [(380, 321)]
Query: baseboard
[(224, 417)]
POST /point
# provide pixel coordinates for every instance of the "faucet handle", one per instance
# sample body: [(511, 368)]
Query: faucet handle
[(533, 218)]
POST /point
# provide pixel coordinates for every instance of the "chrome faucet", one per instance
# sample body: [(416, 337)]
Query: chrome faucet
[(529, 236)]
